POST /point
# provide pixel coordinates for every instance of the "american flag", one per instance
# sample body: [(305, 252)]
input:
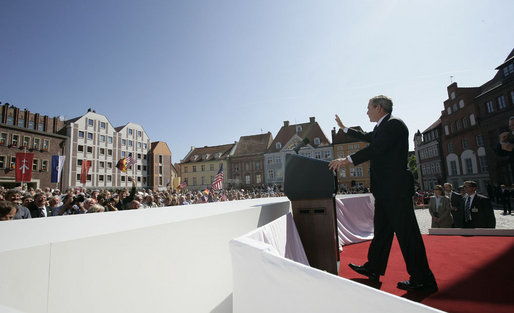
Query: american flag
[(130, 161), (217, 183)]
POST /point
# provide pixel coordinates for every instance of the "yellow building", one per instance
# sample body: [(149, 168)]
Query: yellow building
[(350, 178), (201, 165)]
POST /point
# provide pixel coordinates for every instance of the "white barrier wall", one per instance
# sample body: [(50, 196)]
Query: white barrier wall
[(173, 259), (266, 281)]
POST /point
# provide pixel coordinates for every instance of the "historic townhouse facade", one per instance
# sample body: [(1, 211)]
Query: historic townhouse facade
[(200, 165), (350, 178), (496, 106), (429, 161), (463, 145), (159, 166), (93, 138), (247, 162), (287, 138), (24, 131)]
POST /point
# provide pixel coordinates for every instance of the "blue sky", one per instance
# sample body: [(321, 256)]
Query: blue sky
[(196, 73)]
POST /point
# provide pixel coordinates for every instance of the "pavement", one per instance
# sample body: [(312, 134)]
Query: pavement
[(502, 221)]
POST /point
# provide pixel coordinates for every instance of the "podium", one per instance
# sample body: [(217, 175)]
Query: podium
[(310, 186)]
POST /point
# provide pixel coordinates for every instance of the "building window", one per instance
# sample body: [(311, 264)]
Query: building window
[(194, 168), (81, 134), (342, 172), (41, 127), (461, 103), (449, 110), (465, 122), (160, 161), (257, 166), (21, 122), (480, 141), (102, 138), (465, 144), (452, 128), (298, 128), (236, 168), (186, 169), (102, 151), (139, 145), (130, 131), (258, 179), (248, 179), (316, 141), (109, 165), (10, 120), (483, 163), (102, 125), (194, 181), (490, 107), (472, 119), (46, 145), (459, 125), (508, 70), (139, 156), (100, 177), (453, 168), (109, 178), (455, 107), (446, 131), (211, 167), (14, 140), (109, 152), (109, 139), (34, 164), (80, 148), (271, 174), (270, 160), (139, 133), (130, 142), (31, 125), (3, 139), (26, 142), (90, 122), (35, 146), (2, 161), (90, 136), (317, 154), (278, 145), (123, 154), (469, 166), (501, 103), (123, 142)]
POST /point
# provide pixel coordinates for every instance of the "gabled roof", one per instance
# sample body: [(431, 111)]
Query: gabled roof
[(341, 137), (308, 130), (434, 125), (252, 145), (497, 80), (154, 145), (208, 153)]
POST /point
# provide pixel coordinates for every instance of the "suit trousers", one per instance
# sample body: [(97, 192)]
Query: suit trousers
[(396, 215)]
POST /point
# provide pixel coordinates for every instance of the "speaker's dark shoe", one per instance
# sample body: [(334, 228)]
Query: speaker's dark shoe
[(412, 285), (363, 270)]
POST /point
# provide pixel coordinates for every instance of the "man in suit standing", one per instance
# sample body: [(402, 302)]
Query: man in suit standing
[(457, 205), (505, 199), (392, 185), (478, 212)]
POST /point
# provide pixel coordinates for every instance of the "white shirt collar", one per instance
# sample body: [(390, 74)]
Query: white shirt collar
[(381, 119)]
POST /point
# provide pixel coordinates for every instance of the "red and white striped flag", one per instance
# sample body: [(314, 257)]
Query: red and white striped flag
[(217, 183)]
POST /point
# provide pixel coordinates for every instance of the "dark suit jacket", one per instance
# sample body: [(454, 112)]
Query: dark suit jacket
[(387, 153), (482, 214), (458, 215), (34, 210)]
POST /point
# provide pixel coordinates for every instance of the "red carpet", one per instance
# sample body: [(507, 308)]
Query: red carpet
[(474, 274)]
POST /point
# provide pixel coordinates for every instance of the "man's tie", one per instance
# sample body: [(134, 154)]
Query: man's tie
[(468, 209)]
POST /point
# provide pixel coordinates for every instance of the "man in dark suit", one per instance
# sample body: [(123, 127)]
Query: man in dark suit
[(38, 207), (478, 212), (505, 200), (457, 205), (392, 185)]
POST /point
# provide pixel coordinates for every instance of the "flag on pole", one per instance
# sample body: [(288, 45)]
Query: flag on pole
[(24, 166), (57, 165), (217, 183), (86, 165), (182, 185)]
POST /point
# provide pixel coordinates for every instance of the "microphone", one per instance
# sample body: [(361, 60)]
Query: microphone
[(301, 144)]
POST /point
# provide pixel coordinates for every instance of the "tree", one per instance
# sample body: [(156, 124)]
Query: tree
[(413, 167)]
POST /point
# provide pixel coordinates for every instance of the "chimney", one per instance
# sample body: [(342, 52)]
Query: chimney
[(286, 123), (312, 119)]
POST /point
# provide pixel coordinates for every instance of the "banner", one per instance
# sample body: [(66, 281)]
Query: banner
[(86, 165), (24, 166), (57, 165)]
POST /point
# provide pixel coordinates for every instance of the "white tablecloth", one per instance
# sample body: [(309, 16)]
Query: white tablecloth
[(355, 218)]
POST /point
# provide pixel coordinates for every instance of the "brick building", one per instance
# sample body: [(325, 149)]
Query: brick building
[(159, 166), (350, 178), (22, 130), (247, 162)]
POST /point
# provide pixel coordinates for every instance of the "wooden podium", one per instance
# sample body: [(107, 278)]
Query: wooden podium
[(311, 188)]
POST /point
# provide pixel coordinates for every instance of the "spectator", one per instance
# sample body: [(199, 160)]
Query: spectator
[(39, 207), (96, 208), (8, 210), (478, 212), (505, 199), (14, 196), (457, 206), (439, 208)]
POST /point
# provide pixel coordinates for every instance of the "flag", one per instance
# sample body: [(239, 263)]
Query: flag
[(57, 165), (206, 191), (86, 165), (182, 185), (125, 163), (217, 183), (24, 166)]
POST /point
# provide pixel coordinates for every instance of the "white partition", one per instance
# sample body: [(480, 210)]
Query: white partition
[(266, 281), (173, 259)]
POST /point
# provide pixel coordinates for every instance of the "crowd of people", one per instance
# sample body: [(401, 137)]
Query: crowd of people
[(18, 203)]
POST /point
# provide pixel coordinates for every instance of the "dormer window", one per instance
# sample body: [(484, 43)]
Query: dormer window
[(206, 156), (217, 155), (316, 141), (508, 70), (195, 157), (278, 145), (298, 128)]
